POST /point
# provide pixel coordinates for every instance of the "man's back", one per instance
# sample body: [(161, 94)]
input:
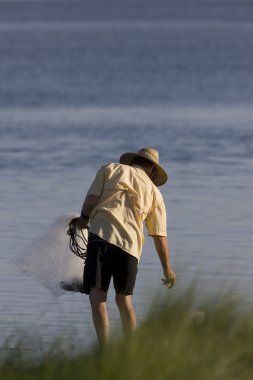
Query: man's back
[(127, 198)]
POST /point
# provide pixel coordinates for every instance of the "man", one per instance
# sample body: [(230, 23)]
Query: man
[(121, 198)]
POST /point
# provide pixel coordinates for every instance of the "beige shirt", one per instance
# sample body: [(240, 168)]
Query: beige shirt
[(127, 199)]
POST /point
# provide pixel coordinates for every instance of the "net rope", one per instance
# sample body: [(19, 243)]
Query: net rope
[(75, 235)]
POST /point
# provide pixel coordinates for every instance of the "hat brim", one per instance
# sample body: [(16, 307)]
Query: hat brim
[(161, 176)]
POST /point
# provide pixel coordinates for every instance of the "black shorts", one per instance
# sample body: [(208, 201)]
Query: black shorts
[(105, 261)]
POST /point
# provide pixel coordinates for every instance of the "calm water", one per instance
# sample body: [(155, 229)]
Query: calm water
[(81, 83)]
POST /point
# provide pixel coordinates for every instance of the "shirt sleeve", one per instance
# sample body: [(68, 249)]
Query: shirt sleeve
[(156, 221), (97, 185)]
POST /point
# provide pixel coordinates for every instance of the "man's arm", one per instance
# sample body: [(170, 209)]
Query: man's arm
[(162, 248), (90, 202)]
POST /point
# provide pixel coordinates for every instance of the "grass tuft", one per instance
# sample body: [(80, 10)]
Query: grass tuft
[(177, 343)]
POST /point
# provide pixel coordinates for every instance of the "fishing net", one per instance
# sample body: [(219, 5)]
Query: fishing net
[(77, 239), (47, 258)]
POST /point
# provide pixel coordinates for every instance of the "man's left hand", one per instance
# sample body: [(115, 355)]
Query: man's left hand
[(170, 278)]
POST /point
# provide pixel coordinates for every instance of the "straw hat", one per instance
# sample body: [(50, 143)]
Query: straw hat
[(151, 155)]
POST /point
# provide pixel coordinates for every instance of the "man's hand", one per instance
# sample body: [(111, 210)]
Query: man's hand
[(81, 222), (170, 278), (162, 249)]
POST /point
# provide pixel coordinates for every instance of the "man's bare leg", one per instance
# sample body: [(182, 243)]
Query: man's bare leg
[(127, 313), (99, 313)]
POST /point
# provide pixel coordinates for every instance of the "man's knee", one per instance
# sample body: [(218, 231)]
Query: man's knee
[(123, 301), (98, 297)]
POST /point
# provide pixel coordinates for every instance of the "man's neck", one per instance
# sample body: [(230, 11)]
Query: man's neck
[(141, 167)]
